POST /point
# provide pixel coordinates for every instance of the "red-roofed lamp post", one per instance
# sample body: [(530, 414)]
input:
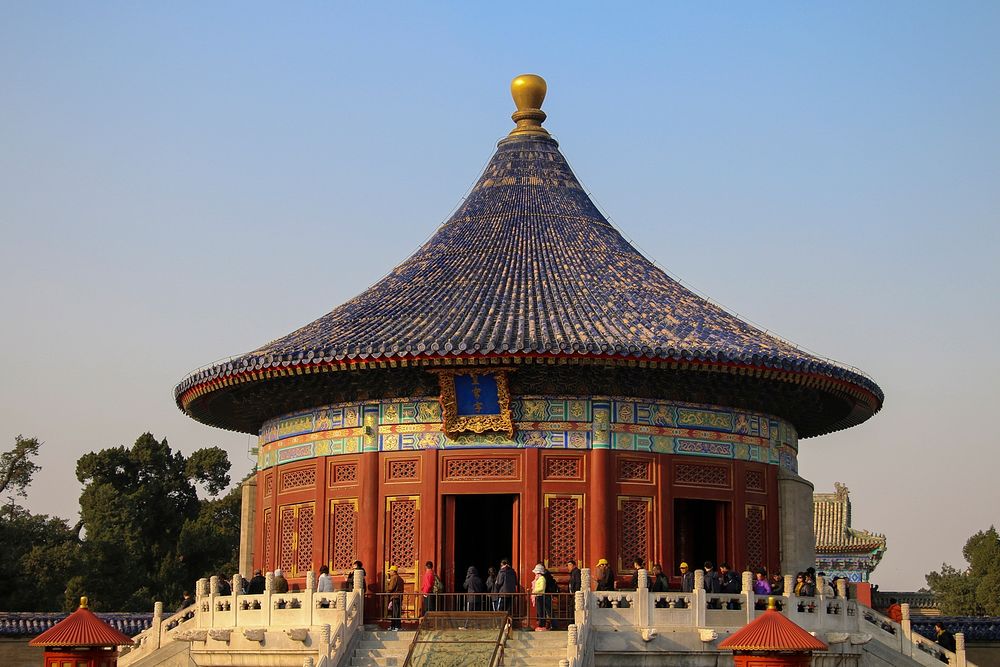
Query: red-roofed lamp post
[(772, 640), (81, 640)]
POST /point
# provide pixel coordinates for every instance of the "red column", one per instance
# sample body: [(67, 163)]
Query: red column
[(368, 514), (602, 507)]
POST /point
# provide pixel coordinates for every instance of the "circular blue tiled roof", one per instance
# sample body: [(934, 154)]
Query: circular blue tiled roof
[(529, 266)]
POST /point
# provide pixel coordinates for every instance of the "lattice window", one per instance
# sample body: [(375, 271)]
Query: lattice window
[(295, 537), (756, 539), (405, 469), (755, 481), (345, 473), (562, 528), (632, 470), (300, 478), (304, 541), (286, 538), (702, 475), (268, 540), (562, 468), (343, 533), (268, 485), (479, 468), (402, 540), (633, 530)]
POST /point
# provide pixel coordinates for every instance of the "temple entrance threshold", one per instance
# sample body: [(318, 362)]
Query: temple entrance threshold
[(700, 532), (481, 529)]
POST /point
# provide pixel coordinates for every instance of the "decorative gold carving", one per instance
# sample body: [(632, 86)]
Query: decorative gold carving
[(453, 423)]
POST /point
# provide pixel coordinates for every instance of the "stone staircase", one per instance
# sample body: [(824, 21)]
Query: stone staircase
[(382, 648), (525, 648)]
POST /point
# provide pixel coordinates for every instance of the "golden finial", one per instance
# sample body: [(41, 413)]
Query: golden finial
[(771, 604), (528, 91), (83, 602)]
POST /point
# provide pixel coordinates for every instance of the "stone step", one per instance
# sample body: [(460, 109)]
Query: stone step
[(392, 635), (530, 662), (383, 652), (388, 661)]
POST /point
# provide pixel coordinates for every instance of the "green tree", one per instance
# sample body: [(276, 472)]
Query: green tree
[(39, 552), (17, 468), (974, 591), (135, 505)]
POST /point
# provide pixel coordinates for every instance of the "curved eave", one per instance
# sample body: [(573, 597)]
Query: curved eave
[(866, 396)]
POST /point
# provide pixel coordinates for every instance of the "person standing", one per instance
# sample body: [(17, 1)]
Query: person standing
[(895, 611), (605, 576), (491, 580), (777, 584), (658, 584), (506, 586), (605, 581), (325, 582), (394, 587), (760, 585), (712, 583), (256, 584), (575, 581), (427, 585), (279, 584), (474, 589), (358, 566), (687, 579), (943, 637), (637, 565), (728, 581), (540, 599)]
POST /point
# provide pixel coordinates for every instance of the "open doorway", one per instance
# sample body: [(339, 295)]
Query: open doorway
[(484, 529), (699, 532)]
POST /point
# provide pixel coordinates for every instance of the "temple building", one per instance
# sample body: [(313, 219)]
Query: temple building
[(841, 550), (528, 385)]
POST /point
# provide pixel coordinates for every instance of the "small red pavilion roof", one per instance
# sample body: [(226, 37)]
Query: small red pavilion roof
[(771, 631), (81, 628)]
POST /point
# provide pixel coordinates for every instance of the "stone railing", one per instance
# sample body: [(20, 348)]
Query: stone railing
[(303, 626), (836, 620), (579, 637)]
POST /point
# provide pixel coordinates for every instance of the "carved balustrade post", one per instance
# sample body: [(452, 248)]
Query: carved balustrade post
[(842, 588), (341, 597), (157, 626), (642, 598), (749, 599), (789, 586), (310, 580), (907, 627), (585, 581), (266, 604), (960, 657), (201, 588), (325, 638), (698, 598), (820, 587), (359, 589)]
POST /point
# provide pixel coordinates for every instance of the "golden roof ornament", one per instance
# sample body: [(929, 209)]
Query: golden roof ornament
[(528, 91)]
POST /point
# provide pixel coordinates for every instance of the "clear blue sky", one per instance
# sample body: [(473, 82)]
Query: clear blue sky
[(181, 182)]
